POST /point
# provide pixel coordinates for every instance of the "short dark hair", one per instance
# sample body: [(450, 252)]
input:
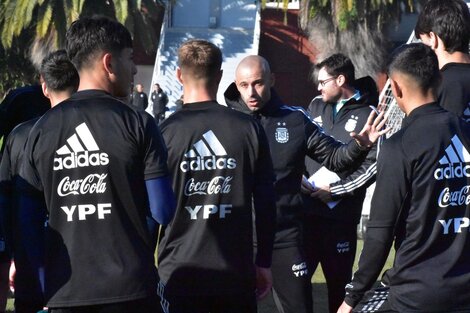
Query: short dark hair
[(450, 20), (58, 72), (419, 62), (338, 64), (88, 36), (202, 59)]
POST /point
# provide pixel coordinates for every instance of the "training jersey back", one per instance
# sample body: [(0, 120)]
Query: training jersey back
[(217, 157), (91, 155)]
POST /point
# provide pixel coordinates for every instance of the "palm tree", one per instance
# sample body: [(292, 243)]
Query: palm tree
[(353, 27), (42, 24)]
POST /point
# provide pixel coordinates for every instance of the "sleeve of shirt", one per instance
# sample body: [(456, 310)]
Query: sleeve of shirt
[(333, 154), (155, 152), (264, 203), (27, 168), (5, 194), (361, 178), (389, 198)]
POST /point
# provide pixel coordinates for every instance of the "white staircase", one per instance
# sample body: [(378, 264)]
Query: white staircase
[(235, 43)]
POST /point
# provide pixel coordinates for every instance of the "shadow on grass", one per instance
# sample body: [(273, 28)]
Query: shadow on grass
[(320, 301)]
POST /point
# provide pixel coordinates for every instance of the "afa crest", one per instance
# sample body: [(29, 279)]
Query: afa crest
[(282, 133), (351, 123)]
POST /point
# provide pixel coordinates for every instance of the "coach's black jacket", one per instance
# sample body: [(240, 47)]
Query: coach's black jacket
[(292, 135), (351, 188)]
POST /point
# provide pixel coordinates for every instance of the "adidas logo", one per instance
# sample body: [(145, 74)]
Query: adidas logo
[(454, 161), (318, 120), (466, 113), (207, 154), (79, 151)]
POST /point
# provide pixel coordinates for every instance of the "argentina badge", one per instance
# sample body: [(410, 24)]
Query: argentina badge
[(351, 123), (282, 133)]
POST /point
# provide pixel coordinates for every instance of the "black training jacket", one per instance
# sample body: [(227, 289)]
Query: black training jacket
[(219, 161), (351, 188), (422, 201), (292, 135)]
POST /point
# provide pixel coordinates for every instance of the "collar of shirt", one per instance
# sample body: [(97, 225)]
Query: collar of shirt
[(342, 102)]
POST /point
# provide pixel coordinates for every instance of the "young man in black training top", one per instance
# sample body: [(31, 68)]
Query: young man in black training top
[(101, 166), (421, 201), (445, 27), (292, 135), (59, 80), (330, 227), (220, 165)]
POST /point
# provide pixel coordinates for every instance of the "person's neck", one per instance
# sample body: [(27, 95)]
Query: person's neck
[(191, 95), (347, 93), (58, 97), (417, 101), (92, 80), (445, 57)]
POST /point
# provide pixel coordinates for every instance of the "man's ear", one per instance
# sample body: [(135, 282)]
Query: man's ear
[(396, 89), (433, 40), (179, 75), (340, 80), (106, 60), (45, 91)]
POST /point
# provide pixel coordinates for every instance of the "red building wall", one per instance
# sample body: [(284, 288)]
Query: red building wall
[(290, 55)]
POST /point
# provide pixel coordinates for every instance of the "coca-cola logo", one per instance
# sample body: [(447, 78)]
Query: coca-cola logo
[(454, 198), (217, 185), (93, 183)]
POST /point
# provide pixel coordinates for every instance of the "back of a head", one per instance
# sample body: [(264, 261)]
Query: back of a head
[(200, 59), (338, 64), (450, 20), (58, 72), (417, 61), (89, 36)]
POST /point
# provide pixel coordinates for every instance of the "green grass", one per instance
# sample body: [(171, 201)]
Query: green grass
[(320, 297), (319, 286)]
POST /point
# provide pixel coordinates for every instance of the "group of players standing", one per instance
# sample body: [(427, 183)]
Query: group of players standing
[(96, 178)]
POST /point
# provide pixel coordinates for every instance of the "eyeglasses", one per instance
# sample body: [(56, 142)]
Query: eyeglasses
[(324, 82)]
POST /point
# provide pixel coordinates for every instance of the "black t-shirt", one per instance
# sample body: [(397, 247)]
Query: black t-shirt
[(91, 155), (9, 169), (454, 91), (25, 244), (219, 159), (422, 200)]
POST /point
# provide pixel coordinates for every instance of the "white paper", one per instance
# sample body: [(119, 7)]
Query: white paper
[(324, 177)]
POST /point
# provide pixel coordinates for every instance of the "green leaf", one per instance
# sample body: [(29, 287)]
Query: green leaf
[(122, 10), (44, 20)]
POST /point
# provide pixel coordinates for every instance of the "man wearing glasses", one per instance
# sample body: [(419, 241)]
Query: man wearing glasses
[(333, 204)]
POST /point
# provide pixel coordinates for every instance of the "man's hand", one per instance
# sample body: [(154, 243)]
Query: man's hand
[(323, 193), (371, 131), (306, 187), (264, 282), (344, 308)]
